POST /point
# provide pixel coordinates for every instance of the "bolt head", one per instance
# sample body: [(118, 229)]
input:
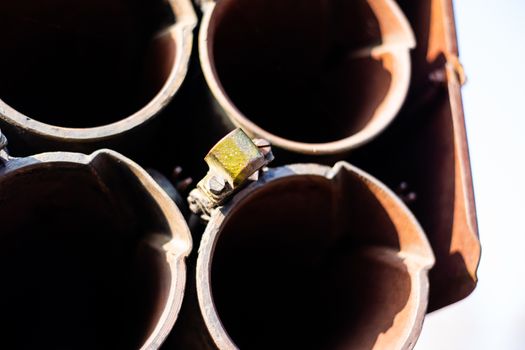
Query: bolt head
[(216, 185)]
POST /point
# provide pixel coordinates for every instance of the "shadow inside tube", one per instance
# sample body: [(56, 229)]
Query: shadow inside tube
[(299, 266), (291, 66), (83, 63), (77, 265)]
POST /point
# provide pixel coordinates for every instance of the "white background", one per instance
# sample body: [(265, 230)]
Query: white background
[(492, 50)]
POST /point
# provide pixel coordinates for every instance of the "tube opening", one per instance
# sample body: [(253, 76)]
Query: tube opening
[(300, 70), (298, 265), (76, 267), (83, 63)]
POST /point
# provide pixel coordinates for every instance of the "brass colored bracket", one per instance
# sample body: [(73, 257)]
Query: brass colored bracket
[(233, 161)]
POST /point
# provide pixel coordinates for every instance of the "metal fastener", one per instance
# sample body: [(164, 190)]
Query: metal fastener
[(232, 162)]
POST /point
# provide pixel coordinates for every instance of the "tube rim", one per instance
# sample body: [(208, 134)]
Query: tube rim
[(176, 249), (421, 258), (397, 44), (181, 33)]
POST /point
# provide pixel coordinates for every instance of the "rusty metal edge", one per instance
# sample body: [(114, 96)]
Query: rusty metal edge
[(465, 227), (181, 32), (177, 249), (208, 243)]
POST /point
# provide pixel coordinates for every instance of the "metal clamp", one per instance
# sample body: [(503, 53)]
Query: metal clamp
[(233, 161)]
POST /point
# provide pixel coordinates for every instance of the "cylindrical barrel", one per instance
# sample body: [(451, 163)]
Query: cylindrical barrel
[(314, 77), (78, 75), (312, 257), (83, 266)]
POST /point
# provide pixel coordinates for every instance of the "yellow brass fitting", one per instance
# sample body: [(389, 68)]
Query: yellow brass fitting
[(232, 162)]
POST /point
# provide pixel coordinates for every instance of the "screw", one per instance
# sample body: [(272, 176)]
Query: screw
[(216, 185), (404, 192)]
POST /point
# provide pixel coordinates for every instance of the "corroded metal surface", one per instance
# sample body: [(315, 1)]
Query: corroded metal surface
[(92, 251), (292, 109), (301, 256), (307, 248), (427, 148), (95, 92)]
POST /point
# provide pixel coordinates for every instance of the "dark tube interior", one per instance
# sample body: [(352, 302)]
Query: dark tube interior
[(290, 65), (75, 266), (83, 63), (300, 265)]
